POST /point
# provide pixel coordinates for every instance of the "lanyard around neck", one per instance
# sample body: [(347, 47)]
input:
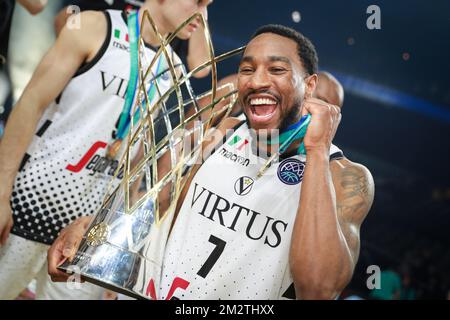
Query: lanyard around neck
[(125, 117), (133, 32), (294, 132)]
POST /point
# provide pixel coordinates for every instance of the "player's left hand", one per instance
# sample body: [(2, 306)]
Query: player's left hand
[(325, 119), (65, 247)]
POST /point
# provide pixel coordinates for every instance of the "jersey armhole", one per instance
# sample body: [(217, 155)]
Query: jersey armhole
[(337, 156)]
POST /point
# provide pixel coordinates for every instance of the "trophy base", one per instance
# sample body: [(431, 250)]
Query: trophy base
[(122, 252), (103, 283)]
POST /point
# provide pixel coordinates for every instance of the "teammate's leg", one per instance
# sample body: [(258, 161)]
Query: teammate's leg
[(20, 261)]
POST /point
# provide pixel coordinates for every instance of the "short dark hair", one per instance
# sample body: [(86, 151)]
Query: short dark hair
[(305, 49)]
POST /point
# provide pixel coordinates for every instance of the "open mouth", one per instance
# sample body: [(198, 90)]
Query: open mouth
[(262, 108)]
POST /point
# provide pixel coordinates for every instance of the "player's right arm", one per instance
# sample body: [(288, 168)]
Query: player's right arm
[(71, 49)]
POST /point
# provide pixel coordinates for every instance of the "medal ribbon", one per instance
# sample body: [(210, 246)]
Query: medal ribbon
[(293, 132), (125, 116)]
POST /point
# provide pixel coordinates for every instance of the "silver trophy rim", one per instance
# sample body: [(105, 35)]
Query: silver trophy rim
[(106, 284)]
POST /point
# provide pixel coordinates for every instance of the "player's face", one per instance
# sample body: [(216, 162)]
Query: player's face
[(177, 11), (271, 82)]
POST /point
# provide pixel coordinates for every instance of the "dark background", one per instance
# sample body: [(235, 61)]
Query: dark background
[(396, 117)]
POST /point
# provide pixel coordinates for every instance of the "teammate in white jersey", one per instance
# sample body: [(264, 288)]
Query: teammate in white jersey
[(60, 128), (291, 233)]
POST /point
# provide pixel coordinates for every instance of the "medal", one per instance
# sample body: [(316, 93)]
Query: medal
[(296, 131), (113, 149)]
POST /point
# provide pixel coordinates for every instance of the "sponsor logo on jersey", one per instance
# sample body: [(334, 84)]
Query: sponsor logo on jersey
[(290, 171), (96, 163), (177, 283), (234, 157), (243, 185), (120, 46)]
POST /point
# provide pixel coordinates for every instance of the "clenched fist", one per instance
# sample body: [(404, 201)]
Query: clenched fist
[(325, 119)]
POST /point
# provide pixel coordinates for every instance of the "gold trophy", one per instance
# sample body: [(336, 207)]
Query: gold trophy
[(123, 248)]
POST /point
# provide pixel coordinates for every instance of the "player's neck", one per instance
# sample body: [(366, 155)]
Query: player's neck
[(147, 32)]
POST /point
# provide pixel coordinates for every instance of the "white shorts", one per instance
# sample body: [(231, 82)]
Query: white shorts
[(23, 260)]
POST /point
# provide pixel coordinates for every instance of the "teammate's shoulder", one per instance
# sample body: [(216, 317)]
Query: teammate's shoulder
[(84, 30), (93, 18), (86, 23)]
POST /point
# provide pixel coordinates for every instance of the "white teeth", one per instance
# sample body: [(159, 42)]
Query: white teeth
[(262, 101)]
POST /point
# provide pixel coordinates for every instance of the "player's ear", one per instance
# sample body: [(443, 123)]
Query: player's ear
[(310, 85)]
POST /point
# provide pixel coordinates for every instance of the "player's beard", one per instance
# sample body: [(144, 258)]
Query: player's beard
[(292, 116), (287, 119)]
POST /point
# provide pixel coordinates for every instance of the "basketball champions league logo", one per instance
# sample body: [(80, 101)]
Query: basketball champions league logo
[(290, 171)]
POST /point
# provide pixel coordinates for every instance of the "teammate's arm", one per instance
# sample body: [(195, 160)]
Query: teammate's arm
[(72, 48), (198, 53), (197, 46)]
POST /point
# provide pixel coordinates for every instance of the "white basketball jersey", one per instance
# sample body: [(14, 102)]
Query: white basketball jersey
[(232, 236), (65, 173)]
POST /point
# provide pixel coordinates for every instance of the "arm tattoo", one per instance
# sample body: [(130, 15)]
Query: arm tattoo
[(355, 183), (356, 198)]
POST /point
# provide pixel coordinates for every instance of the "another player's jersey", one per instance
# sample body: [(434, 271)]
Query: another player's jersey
[(65, 173), (232, 236), (106, 4)]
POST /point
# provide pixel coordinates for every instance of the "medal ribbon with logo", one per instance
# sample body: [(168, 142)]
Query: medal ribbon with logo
[(290, 134)]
